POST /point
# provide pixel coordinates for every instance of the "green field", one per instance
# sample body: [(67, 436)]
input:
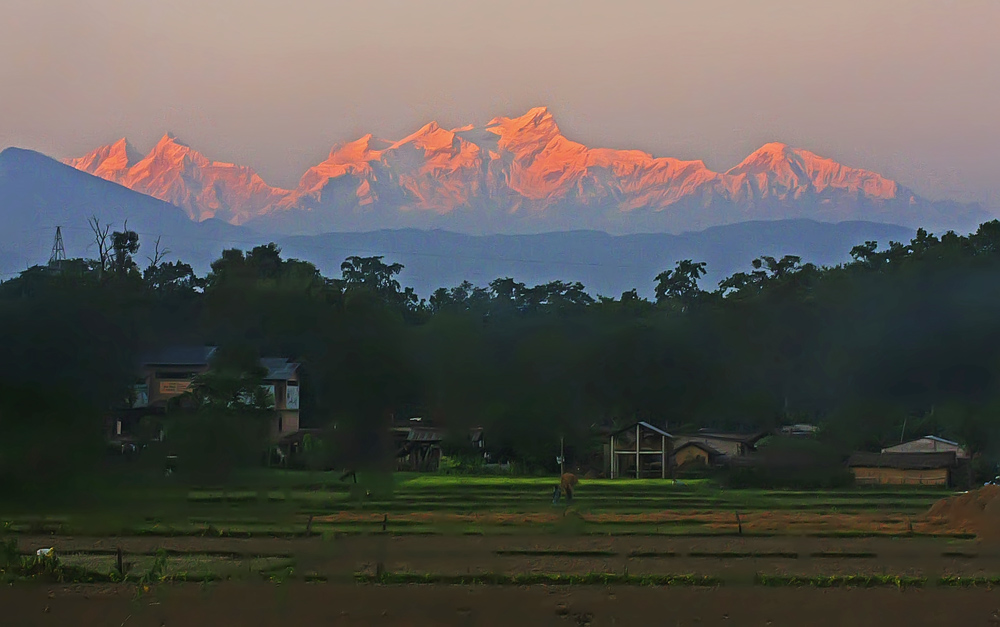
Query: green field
[(281, 503)]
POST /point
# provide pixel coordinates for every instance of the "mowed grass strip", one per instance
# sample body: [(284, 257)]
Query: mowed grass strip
[(652, 554), (555, 553), (960, 554), (961, 581), (839, 581), (528, 579), (235, 555), (744, 554)]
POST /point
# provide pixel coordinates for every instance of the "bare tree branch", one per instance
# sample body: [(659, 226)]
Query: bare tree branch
[(158, 255), (101, 235)]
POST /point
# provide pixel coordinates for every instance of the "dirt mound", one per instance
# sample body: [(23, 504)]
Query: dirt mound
[(977, 511)]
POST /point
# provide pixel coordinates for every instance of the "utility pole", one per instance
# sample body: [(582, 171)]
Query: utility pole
[(58, 249)]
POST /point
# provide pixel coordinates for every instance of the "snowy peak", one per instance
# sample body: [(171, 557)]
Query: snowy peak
[(778, 166), (768, 156), (365, 148), (170, 152), (172, 171), (109, 162), (537, 118), (537, 126)]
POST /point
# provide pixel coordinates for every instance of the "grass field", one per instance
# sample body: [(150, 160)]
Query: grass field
[(287, 503), (280, 526)]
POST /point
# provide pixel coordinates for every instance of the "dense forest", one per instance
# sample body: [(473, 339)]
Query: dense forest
[(901, 340)]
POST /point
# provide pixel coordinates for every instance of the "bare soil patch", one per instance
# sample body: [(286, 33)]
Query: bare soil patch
[(976, 511), (260, 605)]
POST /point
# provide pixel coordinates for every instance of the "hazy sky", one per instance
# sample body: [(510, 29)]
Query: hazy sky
[(910, 88)]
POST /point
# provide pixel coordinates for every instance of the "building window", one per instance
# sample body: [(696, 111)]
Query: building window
[(175, 375), (292, 395)]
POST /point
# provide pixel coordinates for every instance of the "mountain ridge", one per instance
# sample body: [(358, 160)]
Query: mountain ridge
[(518, 174)]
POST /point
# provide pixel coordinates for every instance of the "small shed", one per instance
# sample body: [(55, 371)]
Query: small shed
[(696, 454), (418, 444), (903, 468), (640, 450)]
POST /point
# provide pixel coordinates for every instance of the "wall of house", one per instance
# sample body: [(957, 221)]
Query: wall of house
[(897, 476), (691, 455), (286, 406), (286, 421), (166, 382), (652, 447)]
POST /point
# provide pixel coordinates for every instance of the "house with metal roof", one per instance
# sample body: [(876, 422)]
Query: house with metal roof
[(729, 444), (640, 450), (929, 444), (282, 381), (694, 453), (168, 373)]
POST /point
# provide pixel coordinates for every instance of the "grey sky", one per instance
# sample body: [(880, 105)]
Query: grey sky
[(909, 88)]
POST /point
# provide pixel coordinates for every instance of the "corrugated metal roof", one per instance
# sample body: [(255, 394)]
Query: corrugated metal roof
[(425, 435), (903, 461), (180, 356), (937, 439), (746, 438), (705, 447), (645, 425), (278, 368)]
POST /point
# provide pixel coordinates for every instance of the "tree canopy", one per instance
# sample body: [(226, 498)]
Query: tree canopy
[(899, 335)]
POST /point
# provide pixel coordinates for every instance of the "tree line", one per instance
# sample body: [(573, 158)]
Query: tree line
[(899, 342)]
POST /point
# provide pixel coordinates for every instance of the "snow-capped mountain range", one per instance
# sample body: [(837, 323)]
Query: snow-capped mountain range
[(517, 174)]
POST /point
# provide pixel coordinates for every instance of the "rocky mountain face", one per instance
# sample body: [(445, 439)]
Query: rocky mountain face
[(517, 175)]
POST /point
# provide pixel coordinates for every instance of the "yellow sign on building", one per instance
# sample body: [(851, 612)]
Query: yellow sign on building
[(174, 387)]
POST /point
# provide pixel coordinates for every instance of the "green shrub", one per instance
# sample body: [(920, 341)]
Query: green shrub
[(9, 554), (814, 478), (212, 444), (791, 463)]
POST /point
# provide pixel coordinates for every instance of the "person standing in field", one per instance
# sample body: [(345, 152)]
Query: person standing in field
[(567, 483)]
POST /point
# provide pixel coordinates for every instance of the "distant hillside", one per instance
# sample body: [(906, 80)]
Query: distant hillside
[(38, 193), (606, 264)]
